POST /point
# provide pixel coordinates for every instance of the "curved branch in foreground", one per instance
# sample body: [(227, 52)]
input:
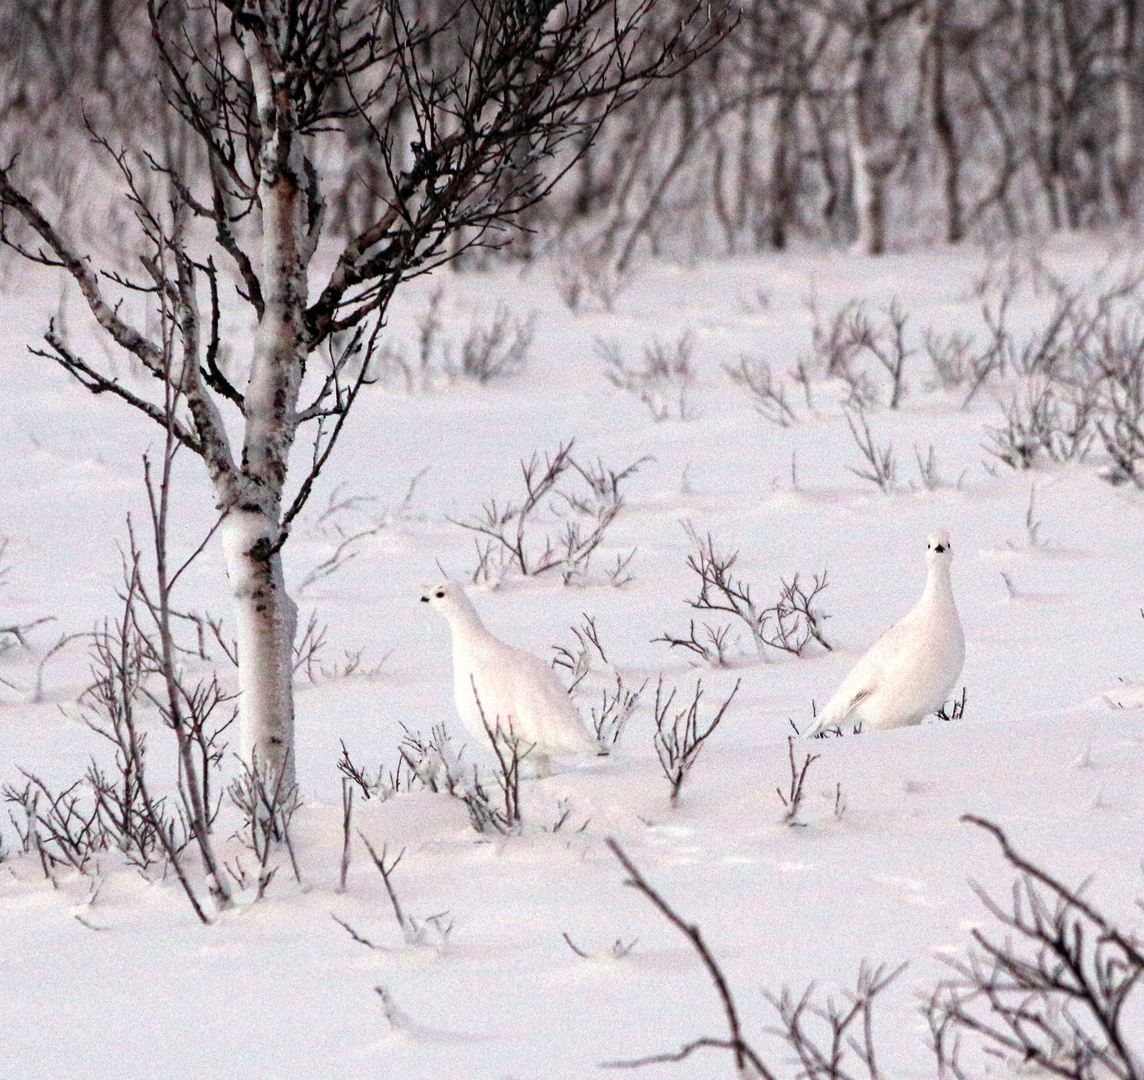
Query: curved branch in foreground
[(743, 1052)]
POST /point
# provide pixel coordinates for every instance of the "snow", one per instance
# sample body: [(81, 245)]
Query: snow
[(1051, 746)]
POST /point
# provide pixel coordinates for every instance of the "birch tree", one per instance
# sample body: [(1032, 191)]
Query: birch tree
[(470, 108)]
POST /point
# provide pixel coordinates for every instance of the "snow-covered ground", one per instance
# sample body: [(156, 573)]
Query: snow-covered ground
[(1051, 746)]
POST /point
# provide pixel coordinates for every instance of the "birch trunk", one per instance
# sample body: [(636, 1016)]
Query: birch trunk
[(866, 165), (266, 620), (1125, 166), (869, 175), (266, 617), (943, 124)]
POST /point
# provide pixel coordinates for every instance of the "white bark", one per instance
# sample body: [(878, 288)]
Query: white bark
[(266, 619), (1125, 165), (869, 169)]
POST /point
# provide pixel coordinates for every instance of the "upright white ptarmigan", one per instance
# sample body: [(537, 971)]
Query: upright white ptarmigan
[(515, 688), (910, 670)]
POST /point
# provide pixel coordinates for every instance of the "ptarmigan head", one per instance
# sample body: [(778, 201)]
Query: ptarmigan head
[(938, 550), (448, 598)]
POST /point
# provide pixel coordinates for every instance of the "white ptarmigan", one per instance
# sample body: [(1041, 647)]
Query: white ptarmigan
[(515, 688), (910, 670)]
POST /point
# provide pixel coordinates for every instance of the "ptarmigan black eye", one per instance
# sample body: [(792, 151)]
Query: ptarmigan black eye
[(440, 596)]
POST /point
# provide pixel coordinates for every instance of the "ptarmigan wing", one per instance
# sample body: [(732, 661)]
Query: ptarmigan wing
[(518, 691), (864, 677), (545, 714)]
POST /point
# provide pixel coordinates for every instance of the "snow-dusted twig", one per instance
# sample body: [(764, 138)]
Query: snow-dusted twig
[(663, 382), (927, 469), (578, 662), (619, 948), (520, 543), (17, 631), (754, 374), (882, 469), (618, 702), (788, 625), (414, 931), (792, 798), (616, 708), (267, 802), (956, 710), (680, 738)]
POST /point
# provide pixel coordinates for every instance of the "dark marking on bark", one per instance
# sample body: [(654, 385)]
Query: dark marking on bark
[(262, 550)]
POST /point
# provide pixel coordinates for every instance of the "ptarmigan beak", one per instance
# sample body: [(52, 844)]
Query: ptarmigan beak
[(424, 599)]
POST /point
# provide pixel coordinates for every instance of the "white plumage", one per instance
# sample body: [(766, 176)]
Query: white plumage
[(515, 689), (910, 670)]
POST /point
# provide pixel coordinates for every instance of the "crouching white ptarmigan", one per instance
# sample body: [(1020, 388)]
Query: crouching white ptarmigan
[(910, 670), (515, 689)]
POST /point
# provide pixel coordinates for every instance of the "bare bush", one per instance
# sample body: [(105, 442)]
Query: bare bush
[(1047, 421), (792, 798), (383, 784), (497, 351), (881, 469), (852, 335), (114, 808), (143, 828), (927, 469), (754, 374), (617, 701), (61, 828), (492, 350), (582, 275), (510, 749), (788, 625), (267, 801), (826, 1039), (577, 500), (663, 382), (887, 343), (833, 348), (1050, 995), (348, 541), (309, 652), (951, 358), (1119, 369), (679, 740)]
